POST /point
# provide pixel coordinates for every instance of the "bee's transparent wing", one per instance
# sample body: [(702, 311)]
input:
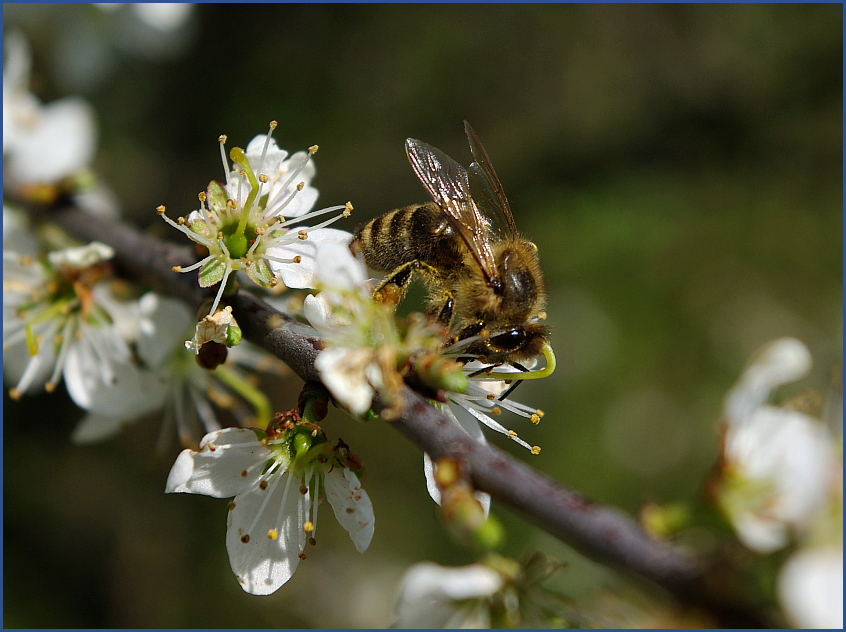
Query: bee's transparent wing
[(485, 186), (448, 184)]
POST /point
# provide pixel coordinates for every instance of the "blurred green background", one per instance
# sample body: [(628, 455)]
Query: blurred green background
[(678, 166)]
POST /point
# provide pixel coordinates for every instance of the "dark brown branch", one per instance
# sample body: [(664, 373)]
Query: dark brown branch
[(600, 532)]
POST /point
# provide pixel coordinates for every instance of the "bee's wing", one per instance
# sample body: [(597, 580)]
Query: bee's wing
[(485, 185), (448, 184)]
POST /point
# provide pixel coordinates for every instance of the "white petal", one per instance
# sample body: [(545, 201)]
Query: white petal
[(430, 595), (162, 327), (778, 362), (164, 16), (319, 313), (100, 378), (302, 274), (95, 427), (810, 587), (262, 564), (343, 372), (61, 144), (230, 461), (351, 505), (337, 268)]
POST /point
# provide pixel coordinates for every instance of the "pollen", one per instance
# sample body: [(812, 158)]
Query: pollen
[(300, 186), (542, 315), (245, 538), (201, 196), (491, 396), (176, 268), (535, 419), (512, 434), (263, 178), (348, 209), (272, 534), (539, 412), (273, 124), (308, 526), (302, 235), (313, 149), (180, 221), (160, 209), (221, 139), (535, 449), (496, 410)]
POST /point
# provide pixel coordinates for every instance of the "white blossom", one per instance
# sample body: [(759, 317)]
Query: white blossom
[(59, 321), (277, 480), (243, 222), (41, 143), (777, 462)]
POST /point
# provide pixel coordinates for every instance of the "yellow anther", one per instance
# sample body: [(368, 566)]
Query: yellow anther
[(535, 449), (496, 410), (50, 387), (221, 139), (272, 534), (180, 220), (259, 230), (274, 282), (302, 235), (273, 124), (539, 412), (512, 434), (263, 178), (201, 196), (535, 419), (297, 259), (491, 396), (300, 186), (308, 526), (177, 268), (313, 149), (348, 209), (231, 203), (542, 315), (160, 209)]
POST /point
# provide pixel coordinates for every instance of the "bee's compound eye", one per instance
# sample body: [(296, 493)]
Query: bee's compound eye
[(509, 340)]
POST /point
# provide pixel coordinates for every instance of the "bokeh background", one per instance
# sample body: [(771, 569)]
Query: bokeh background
[(678, 166)]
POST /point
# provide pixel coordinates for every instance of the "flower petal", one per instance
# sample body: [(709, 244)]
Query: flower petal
[(343, 372), (263, 535), (351, 505), (433, 596), (230, 461), (302, 274)]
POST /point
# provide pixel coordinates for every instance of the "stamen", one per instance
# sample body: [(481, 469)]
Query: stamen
[(222, 140)]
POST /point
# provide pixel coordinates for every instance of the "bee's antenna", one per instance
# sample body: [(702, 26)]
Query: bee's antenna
[(511, 388)]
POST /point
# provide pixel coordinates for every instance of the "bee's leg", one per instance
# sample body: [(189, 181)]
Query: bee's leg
[(392, 288), (445, 312)]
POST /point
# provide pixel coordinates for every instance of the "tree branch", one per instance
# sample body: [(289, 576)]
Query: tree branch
[(602, 533)]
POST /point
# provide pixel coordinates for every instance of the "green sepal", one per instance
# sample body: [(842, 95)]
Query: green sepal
[(216, 196), (260, 272), (233, 335), (212, 272)]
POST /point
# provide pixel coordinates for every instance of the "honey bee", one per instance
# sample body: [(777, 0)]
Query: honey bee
[(484, 279)]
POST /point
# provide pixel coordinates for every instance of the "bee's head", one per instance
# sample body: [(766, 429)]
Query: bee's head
[(513, 344)]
